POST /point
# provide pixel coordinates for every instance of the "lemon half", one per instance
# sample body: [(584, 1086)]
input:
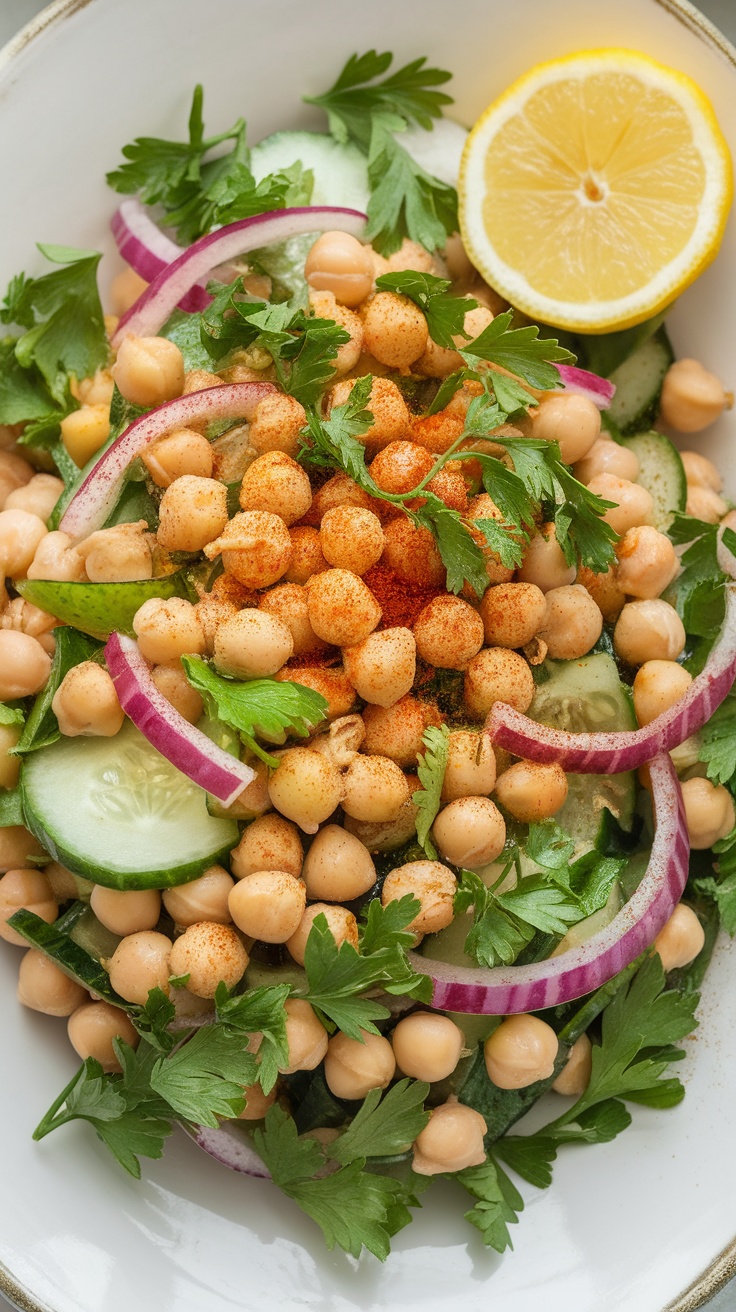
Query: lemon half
[(595, 189)]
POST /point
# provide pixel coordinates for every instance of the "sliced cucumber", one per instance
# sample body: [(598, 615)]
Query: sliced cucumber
[(99, 609), (57, 943), (662, 473), (90, 934), (340, 171), (115, 811), (587, 696), (438, 151), (639, 382), (585, 929)]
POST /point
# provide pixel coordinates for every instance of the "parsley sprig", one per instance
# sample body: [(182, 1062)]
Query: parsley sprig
[(431, 772)]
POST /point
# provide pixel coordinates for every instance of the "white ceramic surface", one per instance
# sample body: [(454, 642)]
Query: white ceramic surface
[(627, 1226)]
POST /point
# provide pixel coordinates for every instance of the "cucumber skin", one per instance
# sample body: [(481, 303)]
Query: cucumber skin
[(637, 443), (645, 416)]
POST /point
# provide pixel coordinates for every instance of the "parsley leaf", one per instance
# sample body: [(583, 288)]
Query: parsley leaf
[(723, 889), (334, 441), (408, 93), (431, 771), (718, 742), (462, 556), (406, 201), (385, 1123), (264, 706), (495, 938), (700, 596), (153, 1019), (520, 350), (532, 1155), (259, 1011), (205, 1077), (445, 314), (497, 1206)]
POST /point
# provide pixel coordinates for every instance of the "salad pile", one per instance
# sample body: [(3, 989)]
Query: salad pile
[(367, 746)]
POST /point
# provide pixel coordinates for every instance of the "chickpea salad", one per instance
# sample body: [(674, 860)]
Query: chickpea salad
[(367, 748)]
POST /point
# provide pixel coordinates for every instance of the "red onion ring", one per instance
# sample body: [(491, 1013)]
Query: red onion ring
[(180, 742), (613, 753), (506, 990), (229, 1148), (157, 302), (598, 390), (94, 500), (149, 251)]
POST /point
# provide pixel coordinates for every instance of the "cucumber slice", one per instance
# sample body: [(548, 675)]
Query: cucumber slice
[(99, 609), (90, 934), (588, 696), (662, 473), (57, 943), (115, 811), (340, 170), (639, 382)]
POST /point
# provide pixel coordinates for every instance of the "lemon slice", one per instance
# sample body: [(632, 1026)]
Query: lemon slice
[(595, 189)]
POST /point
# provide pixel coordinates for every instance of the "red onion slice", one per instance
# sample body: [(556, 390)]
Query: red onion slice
[(94, 500), (598, 390), (613, 753), (509, 989), (230, 1148), (185, 747), (154, 306), (148, 250)]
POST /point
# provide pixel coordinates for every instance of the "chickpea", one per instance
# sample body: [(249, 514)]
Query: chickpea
[(306, 1037), (427, 1046), (24, 665), (20, 536), (520, 1052), (341, 490), (432, 884), (37, 497), (412, 553), (340, 264), (126, 913), (385, 836), (451, 1141), (391, 418), (330, 684), (657, 687), (306, 555), (574, 1077), (353, 1068), (278, 485), (395, 330), (532, 792), (252, 645), (382, 668), (167, 629), (701, 472), (255, 545), (173, 684), (342, 610), (681, 940), (647, 563), (709, 811), (23, 617), (705, 504), (341, 923), (86, 703), (450, 486), (56, 558), (276, 424), (95, 390), (9, 765), (375, 789), (324, 306), (306, 788), (448, 633), (201, 899), (28, 889), (342, 741), (84, 431), (649, 631), (437, 361), (396, 731), (410, 255), (181, 452), (469, 831), (692, 398), (140, 963), (269, 843), (437, 432), (268, 905), (605, 590), (471, 766), (512, 614), (92, 1028), (338, 867), (192, 512), (607, 457), (125, 289), (43, 987), (288, 603), (17, 847), (633, 504), (400, 466), (351, 538), (14, 470), (209, 953), (458, 263), (572, 623), (544, 563), (118, 555), (569, 419), (497, 675), (149, 370), (254, 800)]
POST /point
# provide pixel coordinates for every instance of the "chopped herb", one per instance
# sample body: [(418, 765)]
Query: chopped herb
[(431, 771), (445, 314)]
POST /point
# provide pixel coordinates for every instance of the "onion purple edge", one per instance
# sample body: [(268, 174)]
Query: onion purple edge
[(230, 1148)]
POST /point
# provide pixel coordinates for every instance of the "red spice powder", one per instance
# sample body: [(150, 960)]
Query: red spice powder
[(400, 601)]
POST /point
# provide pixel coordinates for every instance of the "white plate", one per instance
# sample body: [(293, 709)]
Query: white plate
[(631, 1225)]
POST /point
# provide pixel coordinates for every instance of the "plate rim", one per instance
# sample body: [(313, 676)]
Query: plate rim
[(722, 1269)]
